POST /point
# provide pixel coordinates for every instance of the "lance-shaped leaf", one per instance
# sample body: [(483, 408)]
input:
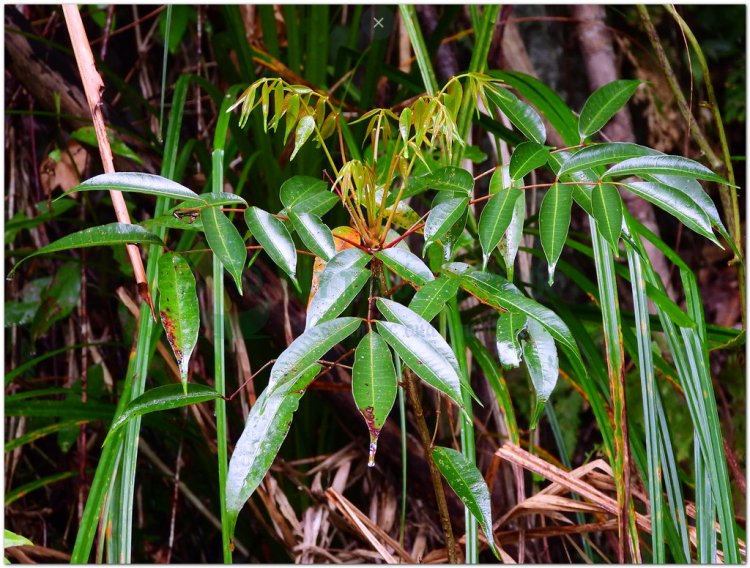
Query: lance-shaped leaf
[(694, 191), (210, 200), (266, 427), (664, 165), (178, 309), (527, 157), (374, 385), (138, 183), (407, 265), (513, 235), (442, 218), (509, 325), (305, 128), (540, 354), (602, 154), (336, 291), (307, 194), (496, 291), (316, 235), (308, 348), (404, 124), (183, 222), (496, 215), (351, 258), (431, 298), (675, 203), (554, 221), (395, 312), (12, 539), (606, 204), (421, 358), (275, 239), (103, 235), (166, 397), (603, 104), (467, 482), (519, 113), (225, 242), (451, 179)]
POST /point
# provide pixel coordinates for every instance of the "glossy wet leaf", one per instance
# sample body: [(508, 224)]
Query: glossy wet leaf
[(602, 154), (450, 178), (275, 239), (606, 204), (136, 182), (554, 221), (210, 200), (374, 385), (513, 235), (497, 214), (404, 124), (307, 194), (12, 539), (692, 189), (603, 104), (305, 128), (509, 325), (422, 358), (431, 298), (519, 113), (337, 289), (314, 233), (225, 242), (178, 309), (266, 427), (675, 203), (496, 291), (308, 348), (467, 482), (407, 265), (442, 218), (102, 235), (664, 165), (527, 157), (166, 397), (540, 354)]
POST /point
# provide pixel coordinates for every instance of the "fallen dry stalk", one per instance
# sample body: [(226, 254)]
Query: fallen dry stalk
[(93, 86)]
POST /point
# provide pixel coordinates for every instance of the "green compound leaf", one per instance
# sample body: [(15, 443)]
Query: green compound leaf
[(602, 154), (603, 104), (316, 235), (419, 355), (664, 165), (519, 113), (225, 241), (675, 203), (178, 309), (103, 235), (442, 218), (275, 239), (374, 385), (554, 221), (266, 427), (305, 128), (308, 348), (407, 265), (431, 298), (307, 194), (527, 157), (496, 215), (606, 204), (497, 292), (540, 354), (337, 290), (509, 325), (467, 482), (138, 183), (166, 397)]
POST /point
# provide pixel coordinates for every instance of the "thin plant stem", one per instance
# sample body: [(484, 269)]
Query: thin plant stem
[(437, 484)]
